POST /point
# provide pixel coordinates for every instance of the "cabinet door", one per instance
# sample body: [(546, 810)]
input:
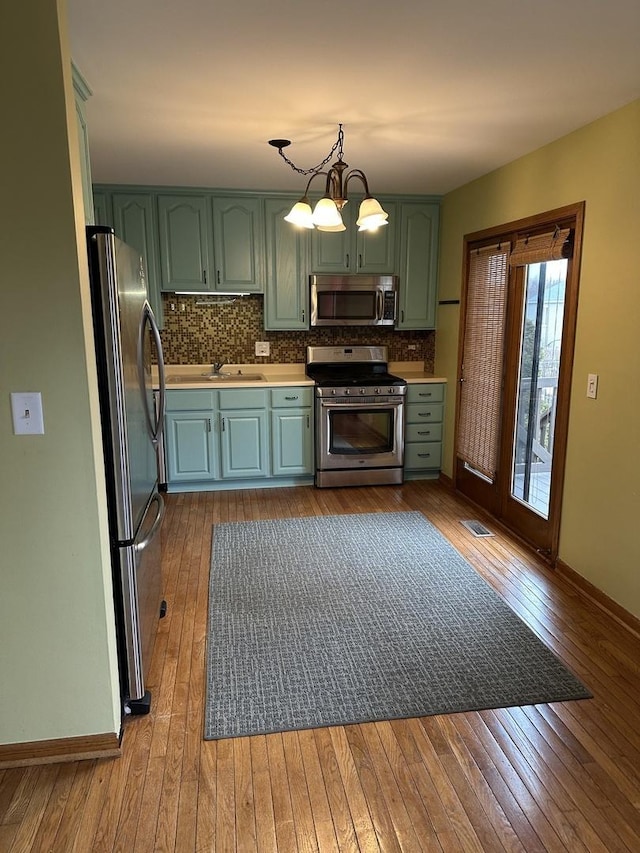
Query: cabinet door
[(135, 222), (190, 447), (238, 244), (102, 213), (291, 442), (331, 251), (244, 443), (354, 251), (81, 93), (185, 251), (375, 250), (418, 265), (286, 297)]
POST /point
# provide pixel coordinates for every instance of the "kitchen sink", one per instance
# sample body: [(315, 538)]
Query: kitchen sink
[(221, 378)]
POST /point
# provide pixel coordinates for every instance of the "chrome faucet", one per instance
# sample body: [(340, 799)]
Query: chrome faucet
[(216, 367)]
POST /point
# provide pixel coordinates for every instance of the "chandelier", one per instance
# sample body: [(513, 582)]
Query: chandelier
[(326, 215)]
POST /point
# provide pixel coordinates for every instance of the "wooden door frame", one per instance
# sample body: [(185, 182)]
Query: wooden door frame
[(480, 493)]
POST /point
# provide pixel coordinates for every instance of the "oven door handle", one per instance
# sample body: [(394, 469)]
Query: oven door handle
[(355, 403)]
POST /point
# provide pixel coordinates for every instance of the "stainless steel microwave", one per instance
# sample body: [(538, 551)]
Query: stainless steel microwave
[(353, 300)]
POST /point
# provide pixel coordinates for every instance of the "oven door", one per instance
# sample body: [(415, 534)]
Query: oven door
[(368, 433)]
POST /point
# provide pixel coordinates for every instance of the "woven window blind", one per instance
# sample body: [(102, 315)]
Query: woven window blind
[(553, 246), (483, 348)]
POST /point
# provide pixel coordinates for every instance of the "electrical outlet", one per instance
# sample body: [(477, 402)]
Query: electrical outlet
[(592, 385), (263, 347)]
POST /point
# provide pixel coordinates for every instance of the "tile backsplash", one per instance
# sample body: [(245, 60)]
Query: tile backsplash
[(201, 333)]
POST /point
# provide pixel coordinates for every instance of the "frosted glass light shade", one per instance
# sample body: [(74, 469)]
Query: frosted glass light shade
[(300, 215), (341, 227), (371, 215), (372, 223), (326, 213)]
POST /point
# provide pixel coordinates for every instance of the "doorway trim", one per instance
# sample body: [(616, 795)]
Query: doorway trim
[(493, 500)]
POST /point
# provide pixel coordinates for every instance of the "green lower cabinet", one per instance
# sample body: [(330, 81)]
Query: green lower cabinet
[(190, 447), (244, 443), (291, 442), (238, 438), (423, 430)]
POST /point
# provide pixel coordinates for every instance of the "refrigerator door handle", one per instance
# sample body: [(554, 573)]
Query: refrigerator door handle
[(142, 544), (155, 422)]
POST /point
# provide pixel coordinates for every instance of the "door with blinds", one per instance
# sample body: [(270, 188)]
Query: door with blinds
[(517, 331)]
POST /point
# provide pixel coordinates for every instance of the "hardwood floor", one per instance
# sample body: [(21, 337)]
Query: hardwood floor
[(542, 778)]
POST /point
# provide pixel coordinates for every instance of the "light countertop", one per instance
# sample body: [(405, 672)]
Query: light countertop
[(275, 375)]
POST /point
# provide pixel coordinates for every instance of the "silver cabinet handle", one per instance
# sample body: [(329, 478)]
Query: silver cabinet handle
[(424, 432), (208, 424), (359, 262), (425, 394), (308, 422), (347, 259), (303, 315), (402, 316), (204, 276), (423, 455), (424, 414), (292, 398), (223, 425), (218, 276)]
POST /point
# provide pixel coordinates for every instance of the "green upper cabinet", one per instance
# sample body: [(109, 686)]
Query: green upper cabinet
[(82, 93), (286, 297), (102, 211), (186, 254), (134, 221), (211, 244), (417, 265), (238, 239), (354, 251)]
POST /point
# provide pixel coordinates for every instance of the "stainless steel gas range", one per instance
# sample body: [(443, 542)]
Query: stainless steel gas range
[(359, 416)]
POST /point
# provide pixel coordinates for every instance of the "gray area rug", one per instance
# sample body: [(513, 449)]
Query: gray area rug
[(332, 620)]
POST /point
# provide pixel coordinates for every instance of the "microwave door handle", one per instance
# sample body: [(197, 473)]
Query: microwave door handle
[(380, 306)]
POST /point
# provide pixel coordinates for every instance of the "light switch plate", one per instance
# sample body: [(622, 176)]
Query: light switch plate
[(592, 385), (26, 409)]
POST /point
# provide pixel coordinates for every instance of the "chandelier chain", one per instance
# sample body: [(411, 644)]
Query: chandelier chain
[(337, 146)]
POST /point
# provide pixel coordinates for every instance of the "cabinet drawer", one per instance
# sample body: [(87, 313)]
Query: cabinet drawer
[(190, 400), (430, 393), (422, 454), (417, 413), (242, 398), (291, 397), (423, 432)]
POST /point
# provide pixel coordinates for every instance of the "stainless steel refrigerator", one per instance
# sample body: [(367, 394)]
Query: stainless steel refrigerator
[(125, 331)]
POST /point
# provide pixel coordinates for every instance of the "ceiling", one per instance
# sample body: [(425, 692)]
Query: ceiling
[(431, 94)]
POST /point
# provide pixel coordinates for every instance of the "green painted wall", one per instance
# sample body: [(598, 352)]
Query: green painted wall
[(57, 646), (599, 164)]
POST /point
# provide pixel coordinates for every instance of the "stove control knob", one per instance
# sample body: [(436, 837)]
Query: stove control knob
[(333, 391), (347, 391), (363, 391), (377, 391)]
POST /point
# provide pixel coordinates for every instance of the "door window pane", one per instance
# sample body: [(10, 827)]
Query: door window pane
[(540, 345)]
